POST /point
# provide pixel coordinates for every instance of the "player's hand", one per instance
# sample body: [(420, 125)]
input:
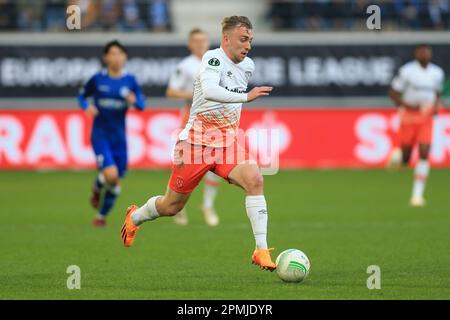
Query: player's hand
[(257, 92), (91, 111), (131, 98)]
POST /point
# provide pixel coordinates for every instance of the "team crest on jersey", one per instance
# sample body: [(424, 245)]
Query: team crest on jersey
[(248, 74), (214, 62)]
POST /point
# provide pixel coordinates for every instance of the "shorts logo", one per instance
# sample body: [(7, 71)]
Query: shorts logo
[(179, 182), (214, 62)]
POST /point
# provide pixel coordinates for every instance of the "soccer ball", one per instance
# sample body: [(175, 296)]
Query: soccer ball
[(292, 265)]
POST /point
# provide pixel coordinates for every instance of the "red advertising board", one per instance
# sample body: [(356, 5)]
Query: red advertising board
[(312, 138)]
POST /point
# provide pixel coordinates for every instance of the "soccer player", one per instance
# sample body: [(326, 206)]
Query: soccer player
[(219, 91), (416, 91), (180, 86), (114, 91)]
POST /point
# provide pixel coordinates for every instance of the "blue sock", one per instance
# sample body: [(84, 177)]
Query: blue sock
[(109, 199)]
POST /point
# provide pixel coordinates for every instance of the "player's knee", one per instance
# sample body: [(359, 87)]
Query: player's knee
[(111, 177), (112, 180), (255, 183)]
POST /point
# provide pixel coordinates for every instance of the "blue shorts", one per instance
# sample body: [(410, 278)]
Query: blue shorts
[(109, 153)]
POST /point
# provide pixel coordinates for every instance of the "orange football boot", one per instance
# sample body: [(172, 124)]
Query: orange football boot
[(129, 229), (261, 257)]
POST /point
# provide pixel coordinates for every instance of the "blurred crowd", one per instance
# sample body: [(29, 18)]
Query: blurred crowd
[(97, 15), (327, 15), (154, 15)]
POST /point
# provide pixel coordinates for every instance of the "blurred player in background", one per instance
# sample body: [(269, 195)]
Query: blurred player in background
[(416, 91), (219, 91), (114, 91), (181, 86)]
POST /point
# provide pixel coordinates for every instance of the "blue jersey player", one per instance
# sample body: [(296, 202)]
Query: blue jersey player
[(114, 91)]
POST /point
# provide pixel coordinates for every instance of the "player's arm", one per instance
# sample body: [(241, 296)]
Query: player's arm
[(210, 79), (178, 94), (86, 91), (175, 87), (398, 85), (439, 105), (135, 97)]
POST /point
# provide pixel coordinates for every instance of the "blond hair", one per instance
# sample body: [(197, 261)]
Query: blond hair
[(195, 31), (229, 23)]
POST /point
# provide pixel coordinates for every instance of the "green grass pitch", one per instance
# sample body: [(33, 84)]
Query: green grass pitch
[(344, 220)]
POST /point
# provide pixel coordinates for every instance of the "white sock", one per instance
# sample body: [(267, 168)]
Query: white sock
[(210, 189), (147, 212), (257, 213), (420, 178)]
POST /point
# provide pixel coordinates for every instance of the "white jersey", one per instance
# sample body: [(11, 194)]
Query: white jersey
[(419, 86), (219, 91), (184, 75)]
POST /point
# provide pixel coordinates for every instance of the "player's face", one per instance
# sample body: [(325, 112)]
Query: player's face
[(198, 44), (424, 55), (115, 58), (239, 42)]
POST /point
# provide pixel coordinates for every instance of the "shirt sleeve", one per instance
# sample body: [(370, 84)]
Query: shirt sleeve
[(400, 81), (440, 81), (86, 91), (210, 70), (140, 98)]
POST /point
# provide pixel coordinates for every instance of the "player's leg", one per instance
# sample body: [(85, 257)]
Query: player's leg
[(101, 150), (247, 176), (181, 218), (110, 184), (97, 188), (406, 154), (158, 206), (394, 160), (422, 168), (211, 186), (183, 180)]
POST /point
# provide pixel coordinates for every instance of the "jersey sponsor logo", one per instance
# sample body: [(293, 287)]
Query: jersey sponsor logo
[(109, 103), (237, 90), (103, 88), (214, 62)]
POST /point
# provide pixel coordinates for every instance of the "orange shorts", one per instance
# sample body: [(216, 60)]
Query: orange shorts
[(192, 162), (415, 127)]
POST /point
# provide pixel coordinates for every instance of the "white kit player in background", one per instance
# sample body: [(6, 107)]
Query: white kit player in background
[(181, 87), (416, 91)]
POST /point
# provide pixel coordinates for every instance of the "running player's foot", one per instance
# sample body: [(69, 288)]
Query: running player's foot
[(95, 198), (261, 257), (129, 229), (99, 222), (395, 159), (211, 217), (181, 218), (417, 202)]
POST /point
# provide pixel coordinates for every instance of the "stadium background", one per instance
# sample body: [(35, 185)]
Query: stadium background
[(331, 75)]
